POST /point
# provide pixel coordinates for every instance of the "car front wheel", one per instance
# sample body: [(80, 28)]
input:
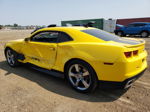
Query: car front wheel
[(81, 76), (120, 33), (11, 57)]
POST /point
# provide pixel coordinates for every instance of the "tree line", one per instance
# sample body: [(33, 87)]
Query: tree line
[(14, 25)]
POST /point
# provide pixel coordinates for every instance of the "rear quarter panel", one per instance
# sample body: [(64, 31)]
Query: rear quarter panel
[(93, 53)]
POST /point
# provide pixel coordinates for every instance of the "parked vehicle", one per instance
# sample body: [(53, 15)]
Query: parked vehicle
[(85, 56), (118, 26), (136, 28)]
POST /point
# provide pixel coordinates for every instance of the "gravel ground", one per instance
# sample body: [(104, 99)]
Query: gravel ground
[(26, 90)]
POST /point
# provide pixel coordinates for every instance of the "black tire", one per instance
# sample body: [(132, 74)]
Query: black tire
[(120, 33), (87, 76), (11, 57), (144, 34)]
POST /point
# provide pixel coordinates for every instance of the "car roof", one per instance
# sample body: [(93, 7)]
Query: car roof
[(73, 27), (62, 28)]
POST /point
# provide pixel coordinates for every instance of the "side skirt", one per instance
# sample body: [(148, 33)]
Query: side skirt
[(46, 71)]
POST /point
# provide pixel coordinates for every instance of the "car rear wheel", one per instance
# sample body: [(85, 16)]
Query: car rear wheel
[(81, 76), (11, 57), (144, 34)]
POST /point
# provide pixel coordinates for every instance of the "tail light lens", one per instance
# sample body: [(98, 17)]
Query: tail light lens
[(128, 54), (135, 52)]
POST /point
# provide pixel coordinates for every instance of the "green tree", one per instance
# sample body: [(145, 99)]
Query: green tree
[(15, 25), (1, 26)]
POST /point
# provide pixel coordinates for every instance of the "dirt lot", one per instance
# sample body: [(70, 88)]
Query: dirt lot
[(25, 90)]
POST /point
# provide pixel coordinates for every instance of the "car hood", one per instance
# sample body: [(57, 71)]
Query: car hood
[(119, 25), (16, 41)]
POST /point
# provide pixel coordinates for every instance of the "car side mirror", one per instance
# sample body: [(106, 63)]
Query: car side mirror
[(27, 39)]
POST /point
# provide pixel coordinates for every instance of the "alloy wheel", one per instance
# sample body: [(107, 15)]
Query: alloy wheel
[(10, 57), (119, 33), (144, 34), (79, 76)]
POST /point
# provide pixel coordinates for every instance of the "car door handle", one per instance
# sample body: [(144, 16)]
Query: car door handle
[(52, 48)]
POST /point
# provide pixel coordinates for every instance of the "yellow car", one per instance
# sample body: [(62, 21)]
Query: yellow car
[(87, 56)]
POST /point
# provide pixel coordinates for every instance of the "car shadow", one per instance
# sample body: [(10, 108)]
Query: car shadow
[(59, 86)]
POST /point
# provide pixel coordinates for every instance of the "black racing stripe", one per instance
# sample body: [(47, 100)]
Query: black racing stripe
[(127, 41), (109, 37)]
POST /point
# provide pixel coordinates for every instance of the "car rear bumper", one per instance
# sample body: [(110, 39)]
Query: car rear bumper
[(120, 85)]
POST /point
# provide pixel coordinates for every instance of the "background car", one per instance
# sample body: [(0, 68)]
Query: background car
[(136, 28), (85, 56), (118, 26)]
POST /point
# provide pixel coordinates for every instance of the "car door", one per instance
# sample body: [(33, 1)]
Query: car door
[(130, 29), (41, 49), (134, 29), (139, 27)]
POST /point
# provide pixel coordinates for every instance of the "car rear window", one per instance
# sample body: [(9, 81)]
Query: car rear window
[(108, 36)]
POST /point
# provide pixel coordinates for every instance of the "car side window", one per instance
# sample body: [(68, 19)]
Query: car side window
[(138, 25), (63, 37), (50, 37), (130, 25)]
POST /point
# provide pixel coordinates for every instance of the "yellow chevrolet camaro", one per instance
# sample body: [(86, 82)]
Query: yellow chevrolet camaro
[(85, 56)]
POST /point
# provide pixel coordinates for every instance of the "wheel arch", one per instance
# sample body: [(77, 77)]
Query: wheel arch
[(19, 56), (119, 31), (7, 47), (144, 31), (70, 60)]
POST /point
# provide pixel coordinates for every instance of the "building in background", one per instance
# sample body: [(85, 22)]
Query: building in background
[(131, 20), (109, 25), (98, 23)]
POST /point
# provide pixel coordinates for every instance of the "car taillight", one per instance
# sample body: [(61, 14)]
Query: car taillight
[(128, 54), (135, 52)]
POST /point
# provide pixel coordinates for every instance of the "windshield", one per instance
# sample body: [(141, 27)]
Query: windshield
[(108, 36)]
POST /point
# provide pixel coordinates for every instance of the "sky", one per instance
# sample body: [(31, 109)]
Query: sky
[(45, 12)]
